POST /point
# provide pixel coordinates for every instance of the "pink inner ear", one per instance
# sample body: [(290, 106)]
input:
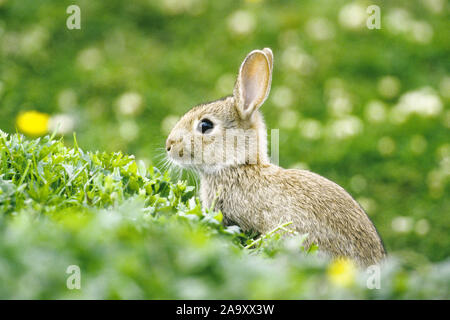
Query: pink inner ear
[(250, 91), (254, 80)]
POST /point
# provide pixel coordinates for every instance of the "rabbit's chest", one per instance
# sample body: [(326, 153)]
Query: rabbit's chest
[(238, 206)]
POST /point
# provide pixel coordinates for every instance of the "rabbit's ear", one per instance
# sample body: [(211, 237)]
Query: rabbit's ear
[(253, 82), (269, 55)]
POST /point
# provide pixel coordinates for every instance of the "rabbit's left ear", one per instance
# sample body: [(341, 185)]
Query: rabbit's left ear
[(253, 82)]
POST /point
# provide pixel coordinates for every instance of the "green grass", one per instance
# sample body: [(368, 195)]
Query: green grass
[(337, 99), (135, 234)]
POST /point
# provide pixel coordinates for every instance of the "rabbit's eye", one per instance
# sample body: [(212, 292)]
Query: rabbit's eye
[(205, 126)]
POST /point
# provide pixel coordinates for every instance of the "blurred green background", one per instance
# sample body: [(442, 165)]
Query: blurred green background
[(367, 109)]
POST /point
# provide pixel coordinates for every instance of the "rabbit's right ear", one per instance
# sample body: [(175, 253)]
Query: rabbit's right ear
[(253, 82)]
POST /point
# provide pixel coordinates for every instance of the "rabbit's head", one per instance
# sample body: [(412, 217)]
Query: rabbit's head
[(229, 131)]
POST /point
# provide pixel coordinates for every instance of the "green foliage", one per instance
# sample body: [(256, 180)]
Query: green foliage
[(367, 109), (135, 234)]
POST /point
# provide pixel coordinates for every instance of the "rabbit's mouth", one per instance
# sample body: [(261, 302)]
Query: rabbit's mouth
[(182, 158), (177, 158)]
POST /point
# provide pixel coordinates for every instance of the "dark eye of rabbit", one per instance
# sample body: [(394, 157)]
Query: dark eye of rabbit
[(205, 126)]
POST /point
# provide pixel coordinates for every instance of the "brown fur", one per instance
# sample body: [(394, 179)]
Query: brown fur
[(260, 196)]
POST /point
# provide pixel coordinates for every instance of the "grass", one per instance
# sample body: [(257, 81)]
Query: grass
[(368, 109), (136, 234)]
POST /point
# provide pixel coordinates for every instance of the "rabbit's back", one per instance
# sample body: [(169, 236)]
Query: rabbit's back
[(261, 197), (336, 221)]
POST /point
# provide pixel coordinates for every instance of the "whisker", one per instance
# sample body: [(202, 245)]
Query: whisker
[(189, 174)]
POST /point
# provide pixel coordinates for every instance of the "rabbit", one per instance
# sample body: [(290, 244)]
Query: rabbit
[(255, 194)]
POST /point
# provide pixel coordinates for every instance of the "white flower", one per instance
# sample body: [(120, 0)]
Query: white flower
[(389, 86), (435, 6), (129, 130), (64, 123), (438, 177), (352, 16), (398, 21), (422, 227), (282, 97), (402, 224), (338, 100), (311, 129), (241, 22), (358, 183), (193, 7), (129, 103), (340, 105), (443, 151), (3, 135), (34, 40), (89, 59), (368, 204), (294, 58), (423, 102), (422, 32), (319, 29), (288, 119), (225, 83), (375, 111), (346, 127)]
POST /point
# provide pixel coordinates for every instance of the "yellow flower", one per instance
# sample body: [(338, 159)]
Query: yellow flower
[(341, 272), (33, 123)]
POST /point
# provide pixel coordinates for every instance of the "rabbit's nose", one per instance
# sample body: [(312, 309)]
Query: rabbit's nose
[(169, 144)]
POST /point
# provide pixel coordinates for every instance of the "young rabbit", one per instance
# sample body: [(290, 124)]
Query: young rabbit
[(255, 194)]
